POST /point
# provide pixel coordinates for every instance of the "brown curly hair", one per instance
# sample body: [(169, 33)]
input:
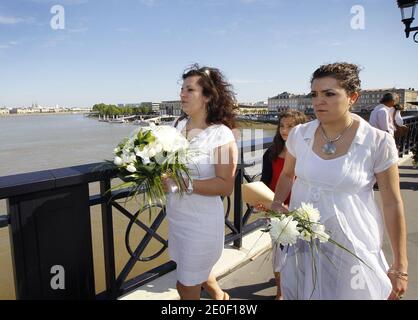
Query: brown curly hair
[(347, 75), (278, 143), (222, 106)]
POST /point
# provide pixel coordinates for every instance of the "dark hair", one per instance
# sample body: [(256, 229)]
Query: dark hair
[(347, 75), (222, 106), (389, 96), (278, 143)]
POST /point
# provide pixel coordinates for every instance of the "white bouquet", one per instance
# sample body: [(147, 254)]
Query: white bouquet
[(300, 224), (148, 155)]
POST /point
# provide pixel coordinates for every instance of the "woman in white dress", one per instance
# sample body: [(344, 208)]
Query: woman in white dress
[(196, 219), (337, 158)]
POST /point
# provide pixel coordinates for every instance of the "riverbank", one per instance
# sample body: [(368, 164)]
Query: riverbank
[(5, 115), (248, 124)]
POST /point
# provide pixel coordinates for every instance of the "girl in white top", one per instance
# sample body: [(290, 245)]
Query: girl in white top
[(337, 159), (196, 219)]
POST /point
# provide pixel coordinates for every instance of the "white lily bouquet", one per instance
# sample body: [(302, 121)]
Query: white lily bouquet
[(148, 155), (304, 224)]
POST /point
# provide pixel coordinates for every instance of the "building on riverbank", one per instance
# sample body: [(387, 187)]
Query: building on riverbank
[(367, 101), (286, 100), (253, 108), (43, 110), (170, 108), (4, 111), (370, 98)]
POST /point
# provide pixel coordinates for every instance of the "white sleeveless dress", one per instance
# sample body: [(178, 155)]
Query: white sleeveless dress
[(196, 222), (342, 190)]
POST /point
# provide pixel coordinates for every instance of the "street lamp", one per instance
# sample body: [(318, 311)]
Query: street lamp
[(408, 11)]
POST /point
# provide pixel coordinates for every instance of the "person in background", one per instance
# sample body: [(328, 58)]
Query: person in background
[(400, 129), (397, 109), (273, 162), (382, 115)]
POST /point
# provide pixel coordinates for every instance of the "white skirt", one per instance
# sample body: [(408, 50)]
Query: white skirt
[(196, 235)]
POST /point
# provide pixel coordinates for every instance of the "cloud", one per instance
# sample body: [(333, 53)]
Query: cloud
[(55, 40), (10, 20), (77, 30), (9, 45)]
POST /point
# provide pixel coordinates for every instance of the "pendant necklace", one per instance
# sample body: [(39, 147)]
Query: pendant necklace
[(187, 130), (329, 147)]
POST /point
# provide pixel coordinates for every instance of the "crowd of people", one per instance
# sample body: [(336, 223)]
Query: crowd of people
[(331, 162)]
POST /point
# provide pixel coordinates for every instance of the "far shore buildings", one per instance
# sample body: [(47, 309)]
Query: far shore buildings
[(170, 108), (370, 98), (173, 108), (38, 109), (367, 101), (286, 100), (251, 107), (4, 111), (153, 106)]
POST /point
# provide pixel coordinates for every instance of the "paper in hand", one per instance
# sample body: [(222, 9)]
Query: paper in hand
[(256, 193)]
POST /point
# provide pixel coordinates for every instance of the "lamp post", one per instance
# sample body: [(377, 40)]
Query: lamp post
[(408, 11)]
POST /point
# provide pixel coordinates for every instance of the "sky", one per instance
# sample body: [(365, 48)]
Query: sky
[(128, 51)]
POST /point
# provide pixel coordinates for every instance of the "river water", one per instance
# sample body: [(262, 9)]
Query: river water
[(39, 142)]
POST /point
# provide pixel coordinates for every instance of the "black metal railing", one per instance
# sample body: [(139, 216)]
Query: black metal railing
[(407, 142), (49, 223)]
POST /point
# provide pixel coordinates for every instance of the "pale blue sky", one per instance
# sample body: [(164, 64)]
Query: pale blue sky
[(121, 51)]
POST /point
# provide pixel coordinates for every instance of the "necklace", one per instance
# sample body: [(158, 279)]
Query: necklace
[(187, 131), (329, 146)]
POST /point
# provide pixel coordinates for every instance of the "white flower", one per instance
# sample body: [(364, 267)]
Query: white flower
[(306, 235), (126, 158), (284, 230), (118, 161), (308, 212), (132, 158), (157, 146), (151, 152), (144, 153), (318, 231), (170, 139), (116, 150), (131, 168)]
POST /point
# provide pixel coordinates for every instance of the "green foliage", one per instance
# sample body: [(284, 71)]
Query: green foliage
[(112, 110)]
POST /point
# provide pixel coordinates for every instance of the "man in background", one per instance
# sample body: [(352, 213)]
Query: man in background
[(382, 115)]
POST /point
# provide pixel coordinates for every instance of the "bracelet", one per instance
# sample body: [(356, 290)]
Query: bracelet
[(398, 274)]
